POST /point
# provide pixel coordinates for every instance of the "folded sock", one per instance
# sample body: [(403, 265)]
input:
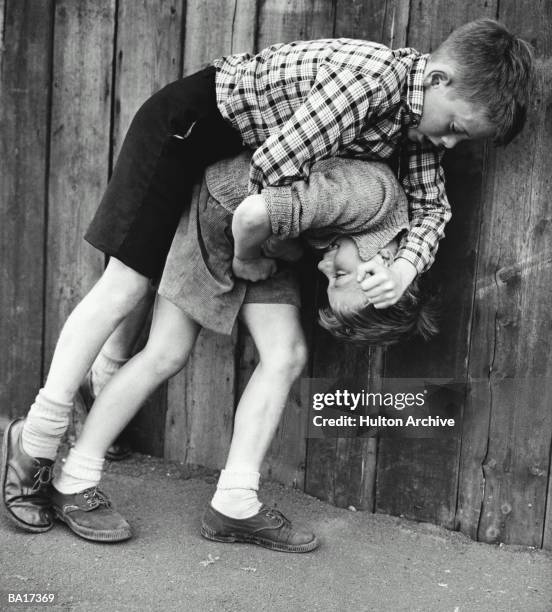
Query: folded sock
[(236, 494), (45, 426), (103, 369), (79, 472)]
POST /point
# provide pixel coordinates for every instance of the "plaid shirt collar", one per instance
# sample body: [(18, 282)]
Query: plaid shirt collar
[(414, 96)]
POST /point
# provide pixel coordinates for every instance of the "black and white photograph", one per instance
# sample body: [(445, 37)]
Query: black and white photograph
[(275, 305)]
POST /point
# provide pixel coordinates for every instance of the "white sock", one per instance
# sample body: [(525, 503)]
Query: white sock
[(236, 494), (45, 426), (79, 472), (103, 369)]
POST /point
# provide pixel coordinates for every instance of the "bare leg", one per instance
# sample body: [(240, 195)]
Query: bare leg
[(277, 333), (278, 336), (121, 342), (170, 342), (112, 298), (235, 513), (114, 354), (117, 292)]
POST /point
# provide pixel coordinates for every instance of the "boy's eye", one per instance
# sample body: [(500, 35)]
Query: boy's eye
[(341, 273)]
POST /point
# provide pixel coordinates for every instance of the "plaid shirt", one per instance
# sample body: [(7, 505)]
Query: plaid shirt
[(304, 101)]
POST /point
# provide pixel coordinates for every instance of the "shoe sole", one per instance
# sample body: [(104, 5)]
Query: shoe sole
[(3, 474), (211, 534), (88, 534)]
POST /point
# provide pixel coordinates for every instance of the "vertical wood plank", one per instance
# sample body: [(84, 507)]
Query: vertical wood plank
[(81, 115), (24, 122), (431, 21), (342, 470), (148, 56), (418, 477), (215, 28), (505, 473), (201, 398), (285, 460), (383, 21), (289, 20)]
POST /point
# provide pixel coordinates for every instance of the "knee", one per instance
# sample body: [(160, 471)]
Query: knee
[(121, 289), (164, 362), (286, 359)]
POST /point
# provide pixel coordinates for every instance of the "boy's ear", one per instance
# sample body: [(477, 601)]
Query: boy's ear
[(436, 77)]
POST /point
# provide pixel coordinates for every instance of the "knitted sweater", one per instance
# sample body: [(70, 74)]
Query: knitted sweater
[(342, 197)]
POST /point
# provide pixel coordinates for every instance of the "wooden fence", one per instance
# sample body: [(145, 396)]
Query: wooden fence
[(73, 74)]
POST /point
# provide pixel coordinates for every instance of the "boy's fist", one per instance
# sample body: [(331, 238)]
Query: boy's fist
[(384, 285), (254, 270)]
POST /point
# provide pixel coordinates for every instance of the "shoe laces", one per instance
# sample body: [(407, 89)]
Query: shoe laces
[(273, 513), (95, 498), (42, 477)]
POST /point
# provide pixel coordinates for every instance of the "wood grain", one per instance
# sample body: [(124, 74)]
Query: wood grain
[(79, 144), (383, 21), (506, 442), (148, 56), (24, 124), (215, 28), (288, 20)]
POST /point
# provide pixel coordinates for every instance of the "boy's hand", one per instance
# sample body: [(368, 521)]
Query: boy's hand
[(254, 270), (288, 249), (385, 285), (250, 227)]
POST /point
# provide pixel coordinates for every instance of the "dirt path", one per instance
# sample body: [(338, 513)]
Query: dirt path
[(366, 562)]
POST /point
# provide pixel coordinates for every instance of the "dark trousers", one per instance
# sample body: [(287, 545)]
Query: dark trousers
[(173, 137)]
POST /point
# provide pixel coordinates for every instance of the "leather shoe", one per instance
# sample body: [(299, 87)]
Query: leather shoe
[(90, 515), (268, 528), (25, 483)]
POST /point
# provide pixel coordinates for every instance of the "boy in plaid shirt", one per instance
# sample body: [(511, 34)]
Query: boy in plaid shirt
[(294, 104), (298, 102)]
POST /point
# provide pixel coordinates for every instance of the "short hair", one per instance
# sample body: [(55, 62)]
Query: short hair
[(496, 71), (414, 314)]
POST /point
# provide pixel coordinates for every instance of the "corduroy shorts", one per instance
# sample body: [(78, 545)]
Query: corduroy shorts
[(173, 137)]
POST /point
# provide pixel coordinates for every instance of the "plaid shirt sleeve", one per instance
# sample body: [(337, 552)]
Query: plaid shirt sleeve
[(424, 183), (329, 117)]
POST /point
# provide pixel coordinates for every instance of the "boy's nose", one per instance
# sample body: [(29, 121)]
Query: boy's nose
[(324, 265), (450, 141)]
